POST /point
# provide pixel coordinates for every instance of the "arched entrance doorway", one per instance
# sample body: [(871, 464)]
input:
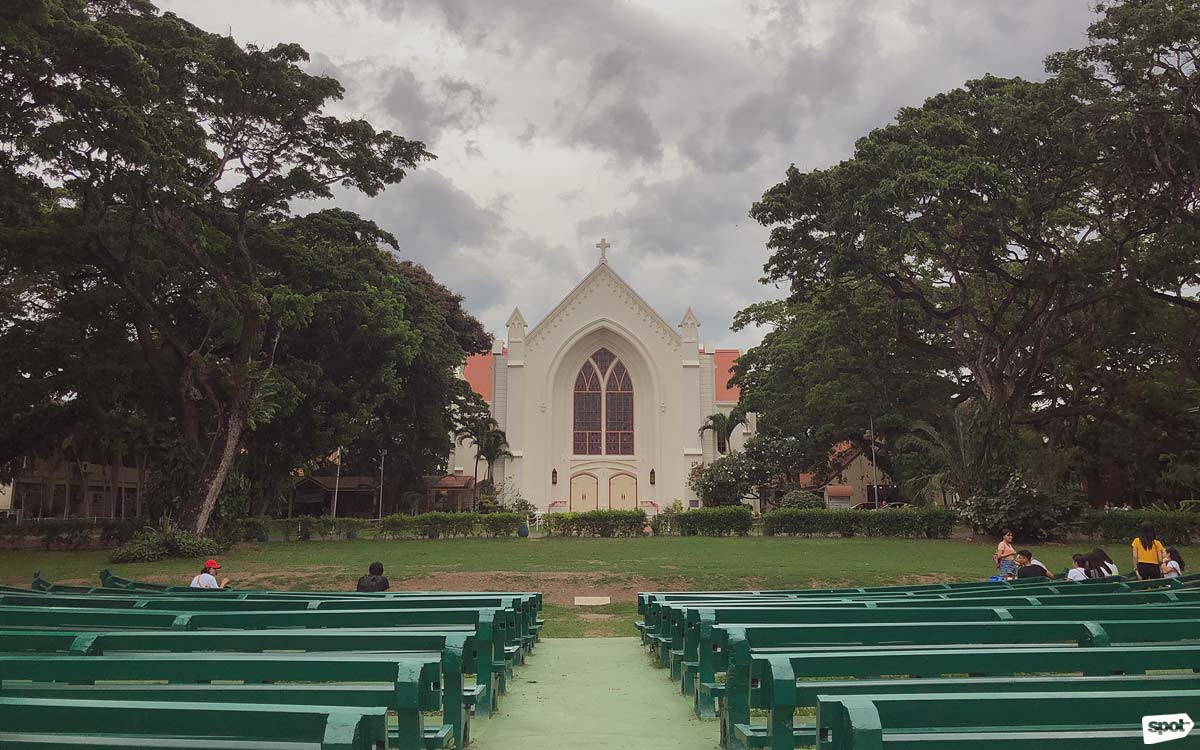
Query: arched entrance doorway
[(622, 492), (584, 493)]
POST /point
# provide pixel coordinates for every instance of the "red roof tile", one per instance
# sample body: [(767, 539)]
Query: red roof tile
[(839, 490), (723, 360), (453, 482)]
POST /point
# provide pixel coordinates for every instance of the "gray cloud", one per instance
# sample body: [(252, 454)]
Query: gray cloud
[(655, 124)]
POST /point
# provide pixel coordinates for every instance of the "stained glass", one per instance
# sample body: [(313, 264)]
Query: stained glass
[(586, 438), (618, 412), (603, 358)]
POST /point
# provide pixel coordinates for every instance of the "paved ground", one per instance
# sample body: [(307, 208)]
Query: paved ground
[(600, 693)]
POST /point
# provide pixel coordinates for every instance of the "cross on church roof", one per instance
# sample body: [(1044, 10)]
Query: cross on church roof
[(604, 246)]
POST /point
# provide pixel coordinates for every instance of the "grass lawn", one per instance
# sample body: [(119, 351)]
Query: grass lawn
[(565, 568)]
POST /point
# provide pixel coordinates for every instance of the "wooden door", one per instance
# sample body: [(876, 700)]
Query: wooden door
[(622, 492), (584, 492)]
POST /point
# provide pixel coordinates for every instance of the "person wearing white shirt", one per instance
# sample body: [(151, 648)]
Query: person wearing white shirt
[(1077, 571), (206, 580), (1106, 563), (1172, 565)]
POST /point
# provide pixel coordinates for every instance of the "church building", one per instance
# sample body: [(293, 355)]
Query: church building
[(602, 401)]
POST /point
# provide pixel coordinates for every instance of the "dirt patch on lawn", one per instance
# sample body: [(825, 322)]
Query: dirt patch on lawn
[(556, 588), (921, 579)]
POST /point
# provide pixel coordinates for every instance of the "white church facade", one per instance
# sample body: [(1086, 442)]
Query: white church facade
[(602, 401)]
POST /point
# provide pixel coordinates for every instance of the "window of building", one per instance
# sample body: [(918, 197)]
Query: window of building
[(603, 407)]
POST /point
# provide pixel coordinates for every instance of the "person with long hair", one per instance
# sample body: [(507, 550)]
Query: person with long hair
[(1006, 555), (1173, 565), (1147, 553), (1106, 562)]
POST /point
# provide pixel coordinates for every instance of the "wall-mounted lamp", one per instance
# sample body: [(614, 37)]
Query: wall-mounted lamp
[(554, 476), (652, 476)]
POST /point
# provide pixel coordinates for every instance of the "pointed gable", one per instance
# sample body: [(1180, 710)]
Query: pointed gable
[(604, 280)]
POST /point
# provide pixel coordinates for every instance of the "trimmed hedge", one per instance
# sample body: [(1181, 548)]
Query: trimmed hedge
[(1172, 527), (933, 522), (726, 520), (603, 523), (73, 533), (437, 525)]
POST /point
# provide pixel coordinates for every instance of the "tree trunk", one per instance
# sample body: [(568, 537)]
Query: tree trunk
[(203, 500)]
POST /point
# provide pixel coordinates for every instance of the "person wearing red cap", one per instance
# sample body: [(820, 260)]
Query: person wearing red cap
[(206, 579)]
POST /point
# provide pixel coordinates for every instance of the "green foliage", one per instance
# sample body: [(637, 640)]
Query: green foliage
[(502, 524), (913, 523), (1031, 514), (813, 522), (666, 521), (1172, 527), (727, 480), (801, 500), (149, 545), (601, 523), (733, 520), (72, 533)]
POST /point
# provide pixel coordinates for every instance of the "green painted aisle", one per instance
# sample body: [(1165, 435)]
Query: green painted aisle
[(593, 693)]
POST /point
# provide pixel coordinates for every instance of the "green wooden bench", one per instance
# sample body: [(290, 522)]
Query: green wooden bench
[(458, 653), (737, 646), (1054, 721), (771, 675), (26, 724), (415, 680), (705, 640), (658, 634), (807, 693), (692, 648)]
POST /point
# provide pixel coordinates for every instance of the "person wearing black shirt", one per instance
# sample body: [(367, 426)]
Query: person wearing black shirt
[(1027, 567), (373, 580)]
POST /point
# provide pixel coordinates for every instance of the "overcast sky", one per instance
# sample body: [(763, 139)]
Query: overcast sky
[(653, 124)]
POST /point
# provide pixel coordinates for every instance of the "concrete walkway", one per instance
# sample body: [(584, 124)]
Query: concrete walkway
[(593, 693)]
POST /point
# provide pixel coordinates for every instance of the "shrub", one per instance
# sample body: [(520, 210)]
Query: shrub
[(73, 533), (720, 521), (149, 545), (608, 523), (667, 521), (1173, 527), (560, 524), (603, 523), (463, 524), (398, 525), (812, 522), (802, 500), (1031, 514), (503, 524)]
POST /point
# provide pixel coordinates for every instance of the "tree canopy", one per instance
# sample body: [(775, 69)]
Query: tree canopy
[(1026, 251), (164, 287)]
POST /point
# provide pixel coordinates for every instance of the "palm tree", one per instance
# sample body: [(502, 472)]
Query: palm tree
[(723, 425), (491, 449), (476, 431)]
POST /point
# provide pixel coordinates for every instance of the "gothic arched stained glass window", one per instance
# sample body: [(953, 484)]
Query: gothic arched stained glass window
[(587, 411), (618, 412), (603, 407)]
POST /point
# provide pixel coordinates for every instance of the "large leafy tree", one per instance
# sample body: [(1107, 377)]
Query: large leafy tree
[(160, 159), (1033, 247)]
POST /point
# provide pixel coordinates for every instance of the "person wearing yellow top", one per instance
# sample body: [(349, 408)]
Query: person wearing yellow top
[(1147, 553)]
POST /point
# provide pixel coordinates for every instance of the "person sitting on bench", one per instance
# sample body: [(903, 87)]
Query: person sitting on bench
[(1030, 568), (1172, 566), (373, 580), (206, 580), (1079, 565)]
